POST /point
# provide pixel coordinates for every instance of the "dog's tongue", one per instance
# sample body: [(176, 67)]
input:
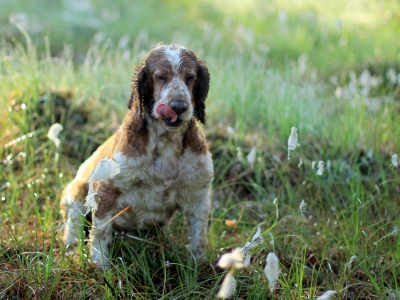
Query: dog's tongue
[(165, 112)]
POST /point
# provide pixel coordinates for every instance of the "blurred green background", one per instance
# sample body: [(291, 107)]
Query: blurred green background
[(334, 35)]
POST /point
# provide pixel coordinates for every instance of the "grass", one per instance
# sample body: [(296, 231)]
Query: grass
[(345, 108)]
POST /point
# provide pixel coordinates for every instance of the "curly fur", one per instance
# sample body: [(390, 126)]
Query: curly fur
[(164, 167)]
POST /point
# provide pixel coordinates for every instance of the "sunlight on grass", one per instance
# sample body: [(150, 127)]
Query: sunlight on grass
[(330, 70)]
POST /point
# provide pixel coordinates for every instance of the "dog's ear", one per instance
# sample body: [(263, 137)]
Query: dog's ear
[(201, 87), (140, 88)]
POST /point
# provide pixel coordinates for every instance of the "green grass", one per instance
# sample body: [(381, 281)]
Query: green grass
[(79, 62)]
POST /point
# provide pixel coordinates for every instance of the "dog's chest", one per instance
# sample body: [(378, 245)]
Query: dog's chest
[(155, 186)]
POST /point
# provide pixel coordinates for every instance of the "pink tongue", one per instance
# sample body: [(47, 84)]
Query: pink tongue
[(165, 112)]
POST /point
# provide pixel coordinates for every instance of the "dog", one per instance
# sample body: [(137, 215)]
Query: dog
[(165, 163)]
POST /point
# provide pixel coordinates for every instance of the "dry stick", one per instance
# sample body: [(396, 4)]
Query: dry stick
[(121, 212)]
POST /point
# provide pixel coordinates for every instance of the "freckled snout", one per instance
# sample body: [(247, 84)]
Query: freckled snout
[(178, 106)]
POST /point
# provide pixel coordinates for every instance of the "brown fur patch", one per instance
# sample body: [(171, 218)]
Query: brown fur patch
[(194, 139), (134, 139), (108, 195)]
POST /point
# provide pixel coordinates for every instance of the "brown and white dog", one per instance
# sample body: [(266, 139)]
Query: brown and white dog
[(164, 160)]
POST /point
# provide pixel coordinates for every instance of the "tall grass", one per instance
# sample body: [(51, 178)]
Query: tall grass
[(346, 119)]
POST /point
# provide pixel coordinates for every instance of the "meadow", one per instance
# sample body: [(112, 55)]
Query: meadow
[(332, 70)]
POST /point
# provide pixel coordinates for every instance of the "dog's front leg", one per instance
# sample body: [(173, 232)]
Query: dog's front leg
[(101, 232), (197, 215), (100, 241)]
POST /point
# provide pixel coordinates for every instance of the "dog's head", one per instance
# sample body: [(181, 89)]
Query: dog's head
[(171, 84)]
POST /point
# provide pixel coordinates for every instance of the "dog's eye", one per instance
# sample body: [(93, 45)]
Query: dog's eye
[(189, 79), (161, 78)]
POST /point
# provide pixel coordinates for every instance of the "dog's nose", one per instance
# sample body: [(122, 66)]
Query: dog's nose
[(178, 106)]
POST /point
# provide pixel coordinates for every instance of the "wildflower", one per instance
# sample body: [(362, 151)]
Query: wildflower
[(321, 166), (256, 240), (272, 270), (302, 207), (251, 157), (228, 286), (234, 258), (313, 165), (105, 169), (327, 295), (395, 163), (292, 141), (230, 223), (54, 130)]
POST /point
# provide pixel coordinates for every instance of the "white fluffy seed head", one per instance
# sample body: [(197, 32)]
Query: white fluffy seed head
[(272, 270), (352, 259), (292, 141), (234, 258), (395, 163), (54, 130), (251, 157), (228, 286), (321, 167), (302, 207), (327, 295)]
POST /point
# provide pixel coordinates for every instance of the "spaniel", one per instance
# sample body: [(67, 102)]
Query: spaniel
[(165, 164)]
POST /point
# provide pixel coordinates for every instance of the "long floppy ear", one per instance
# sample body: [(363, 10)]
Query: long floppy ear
[(141, 93), (201, 87)]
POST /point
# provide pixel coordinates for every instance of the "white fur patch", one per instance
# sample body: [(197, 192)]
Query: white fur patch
[(174, 58)]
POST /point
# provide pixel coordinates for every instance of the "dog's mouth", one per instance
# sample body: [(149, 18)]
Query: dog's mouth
[(169, 123), (169, 117)]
